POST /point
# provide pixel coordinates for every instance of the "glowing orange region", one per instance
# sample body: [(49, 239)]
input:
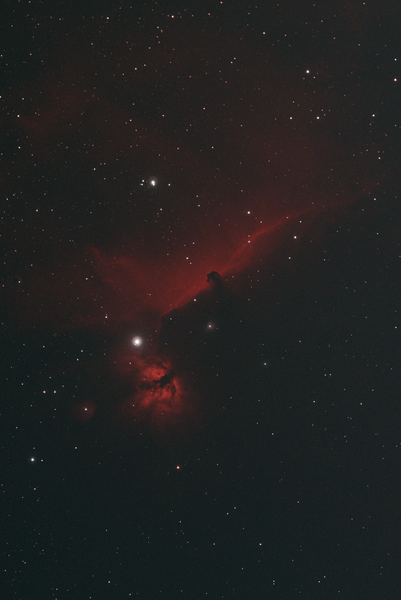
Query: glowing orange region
[(159, 390), (159, 396)]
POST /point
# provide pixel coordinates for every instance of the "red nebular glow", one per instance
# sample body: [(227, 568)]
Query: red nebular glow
[(134, 217), (137, 287), (156, 284), (160, 398), (153, 285)]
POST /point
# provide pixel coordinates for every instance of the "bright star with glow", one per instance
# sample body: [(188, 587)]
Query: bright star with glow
[(153, 182), (137, 341)]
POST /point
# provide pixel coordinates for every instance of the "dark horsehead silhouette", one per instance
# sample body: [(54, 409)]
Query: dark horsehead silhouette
[(214, 277)]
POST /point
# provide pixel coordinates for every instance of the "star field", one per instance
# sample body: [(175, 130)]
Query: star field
[(200, 224)]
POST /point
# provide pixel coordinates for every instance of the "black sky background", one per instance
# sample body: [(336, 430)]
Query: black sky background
[(249, 447)]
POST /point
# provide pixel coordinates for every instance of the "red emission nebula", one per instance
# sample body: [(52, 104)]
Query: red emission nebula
[(131, 205), (159, 397)]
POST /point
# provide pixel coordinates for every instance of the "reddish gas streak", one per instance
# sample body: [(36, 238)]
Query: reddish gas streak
[(157, 289), (95, 288)]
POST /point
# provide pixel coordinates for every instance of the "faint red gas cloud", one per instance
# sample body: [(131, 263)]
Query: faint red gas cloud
[(159, 399)]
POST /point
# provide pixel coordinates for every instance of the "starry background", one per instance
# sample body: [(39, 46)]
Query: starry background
[(248, 445)]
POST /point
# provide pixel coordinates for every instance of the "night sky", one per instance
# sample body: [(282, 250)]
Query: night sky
[(200, 307)]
